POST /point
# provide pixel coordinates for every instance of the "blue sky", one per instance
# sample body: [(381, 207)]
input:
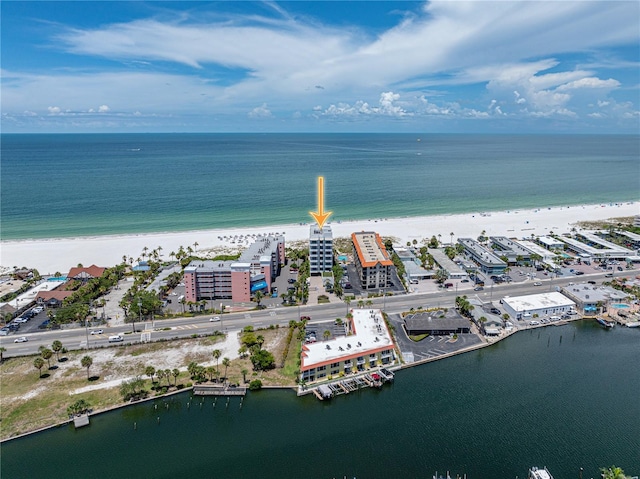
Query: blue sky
[(331, 66)]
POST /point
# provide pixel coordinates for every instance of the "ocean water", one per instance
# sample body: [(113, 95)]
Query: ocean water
[(94, 184), (563, 397)]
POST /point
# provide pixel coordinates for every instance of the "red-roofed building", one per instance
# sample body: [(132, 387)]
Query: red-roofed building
[(52, 299), (371, 260), (84, 274)]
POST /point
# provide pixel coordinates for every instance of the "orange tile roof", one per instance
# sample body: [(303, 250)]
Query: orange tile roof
[(92, 271), (363, 259)]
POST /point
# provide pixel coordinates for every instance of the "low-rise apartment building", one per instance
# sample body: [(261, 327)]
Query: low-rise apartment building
[(372, 262), (367, 346), (254, 270), (487, 260)]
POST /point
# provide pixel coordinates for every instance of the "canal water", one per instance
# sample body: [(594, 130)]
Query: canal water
[(562, 397)]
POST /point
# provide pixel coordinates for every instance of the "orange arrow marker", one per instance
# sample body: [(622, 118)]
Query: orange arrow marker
[(320, 216)]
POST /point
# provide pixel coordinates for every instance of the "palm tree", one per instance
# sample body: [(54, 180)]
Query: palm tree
[(439, 239), (150, 371), (46, 354), (57, 347), (242, 351), (260, 340), (86, 363), (167, 374), (160, 374), (216, 354), (347, 301), (175, 373), (258, 297), (451, 234), (244, 375), (38, 363), (195, 246), (613, 472), (226, 362), (326, 334), (360, 303)]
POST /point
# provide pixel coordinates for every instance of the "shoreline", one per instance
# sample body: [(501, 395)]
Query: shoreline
[(51, 255), (294, 388)]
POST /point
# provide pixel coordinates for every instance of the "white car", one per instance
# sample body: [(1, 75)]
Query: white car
[(215, 319), (21, 339), (38, 309), (97, 331), (20, 320), (537, 283)]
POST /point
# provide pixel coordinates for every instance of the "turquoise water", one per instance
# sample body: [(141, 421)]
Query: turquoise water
[(620, 306), (565, 397), (96, 184), (342, 258)]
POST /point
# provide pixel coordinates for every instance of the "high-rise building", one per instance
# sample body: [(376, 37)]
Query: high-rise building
[(372, 260), (320, 249), (253, 271)]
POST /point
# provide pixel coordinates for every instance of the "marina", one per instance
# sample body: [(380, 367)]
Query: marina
[(345, 386)]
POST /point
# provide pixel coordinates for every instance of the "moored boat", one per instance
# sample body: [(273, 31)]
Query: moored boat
[(607, 324)]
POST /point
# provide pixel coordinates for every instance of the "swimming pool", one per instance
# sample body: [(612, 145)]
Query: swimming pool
[(620, 306), (342, 257)]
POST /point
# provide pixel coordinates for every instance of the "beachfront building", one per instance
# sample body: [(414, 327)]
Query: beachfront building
[(538, 305), (320, 249), (85, 274), (589, 245), (550, 243), (453, 270), (372, 262), (590, 299), (545, 255), (436, 323), (486, 259), (368, 345), (412, 265), (631, 240), (510, 249), (254, 270)]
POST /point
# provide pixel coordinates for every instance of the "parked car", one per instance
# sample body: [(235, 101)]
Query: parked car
[(579, 273), (478, 288), (291, 280), (608, 275), (619, 268), (21, 339), (495, 311), (537, 283), (97, 331), (20, 320)]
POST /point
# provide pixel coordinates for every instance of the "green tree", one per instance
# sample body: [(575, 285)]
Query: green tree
[(226, 362), (242, 351), (132, 388), (326, 334), (79, 407), (216, 354), (255, 385), (86, 362), (260, 340), (46, 354), (57, 347), (175, 373), (441, 276), (262, 360), (150, 371), (167, 375), (258, 297), (612, 472), (2, 350), (244, 372), (38, 363)]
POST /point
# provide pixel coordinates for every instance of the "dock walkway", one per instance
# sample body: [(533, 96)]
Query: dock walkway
[(345, 386), (219, 391)]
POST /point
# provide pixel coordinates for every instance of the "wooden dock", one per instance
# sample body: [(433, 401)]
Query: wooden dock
[(345, 386), (219, 391), (80, 421)]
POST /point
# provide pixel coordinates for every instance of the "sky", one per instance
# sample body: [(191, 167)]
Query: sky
[(328, 66)]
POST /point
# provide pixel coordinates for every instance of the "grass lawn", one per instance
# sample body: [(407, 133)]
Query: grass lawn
[(417, 337)]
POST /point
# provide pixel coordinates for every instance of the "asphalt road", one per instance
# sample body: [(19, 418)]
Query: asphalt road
[(74, 339)]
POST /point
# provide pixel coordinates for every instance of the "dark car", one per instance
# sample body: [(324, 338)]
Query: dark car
[(291, 280), (579, 273), (619, 268), (495, 311)]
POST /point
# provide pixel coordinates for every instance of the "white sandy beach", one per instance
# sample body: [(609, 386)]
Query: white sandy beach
[(59, 255)]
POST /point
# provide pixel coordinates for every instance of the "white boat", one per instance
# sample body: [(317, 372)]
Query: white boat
[(535, 473), (633, 324)]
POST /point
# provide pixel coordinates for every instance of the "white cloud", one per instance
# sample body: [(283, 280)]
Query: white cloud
[(103, 109), (54, 110), (590, 82), (260, 112)]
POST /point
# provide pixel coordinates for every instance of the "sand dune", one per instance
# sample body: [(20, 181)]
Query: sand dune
[(49, 256)]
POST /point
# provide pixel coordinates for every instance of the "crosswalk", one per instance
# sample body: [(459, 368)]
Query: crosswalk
[(187, 326)]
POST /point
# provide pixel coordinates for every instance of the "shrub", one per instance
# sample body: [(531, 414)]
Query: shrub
[(255, 385)]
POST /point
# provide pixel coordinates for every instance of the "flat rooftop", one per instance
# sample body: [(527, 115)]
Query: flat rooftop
[(533, 302), (370, 335), (444, 262), (604, 247), (536, 249), (481, 253), (370, 249), (507, 245), (588, 293)]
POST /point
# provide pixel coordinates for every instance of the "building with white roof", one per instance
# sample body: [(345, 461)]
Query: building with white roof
[(591, 245), (486, 259), (543, 304), (367, 345), (590, 298), (320, 249), (552, 244)]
